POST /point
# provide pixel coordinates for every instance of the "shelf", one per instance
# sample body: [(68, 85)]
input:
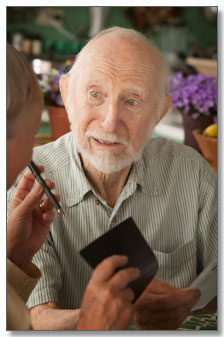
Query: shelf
[(174, 133), (171, 127)]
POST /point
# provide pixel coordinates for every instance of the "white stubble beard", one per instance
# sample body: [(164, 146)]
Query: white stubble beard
[(108, 161)]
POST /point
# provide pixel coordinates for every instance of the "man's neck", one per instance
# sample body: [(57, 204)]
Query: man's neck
[(108, 186)]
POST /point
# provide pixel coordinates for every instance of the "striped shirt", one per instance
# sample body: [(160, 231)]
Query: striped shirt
[(171, 193)]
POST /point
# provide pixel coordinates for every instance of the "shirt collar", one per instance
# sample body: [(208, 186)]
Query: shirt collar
[(146, 165), (78, 185)]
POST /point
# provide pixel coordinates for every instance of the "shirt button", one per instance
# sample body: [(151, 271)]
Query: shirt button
[(97, 202)]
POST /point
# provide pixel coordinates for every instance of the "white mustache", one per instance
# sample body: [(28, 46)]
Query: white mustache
[(107, 137)]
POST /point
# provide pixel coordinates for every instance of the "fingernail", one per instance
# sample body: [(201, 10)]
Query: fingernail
[(125, 258)]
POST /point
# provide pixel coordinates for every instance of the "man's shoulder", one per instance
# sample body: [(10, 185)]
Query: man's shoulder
[(55, 154), (164, 148), (168, 159)]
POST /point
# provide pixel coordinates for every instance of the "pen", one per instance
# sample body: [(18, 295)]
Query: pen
[(34, 169)]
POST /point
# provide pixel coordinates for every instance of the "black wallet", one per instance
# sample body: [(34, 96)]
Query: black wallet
[(125, 239)]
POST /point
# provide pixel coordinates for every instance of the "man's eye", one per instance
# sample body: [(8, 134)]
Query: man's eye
[(95, 94), (132, 102)]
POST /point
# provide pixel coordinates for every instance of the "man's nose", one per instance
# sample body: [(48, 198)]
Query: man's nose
[(111, 117)]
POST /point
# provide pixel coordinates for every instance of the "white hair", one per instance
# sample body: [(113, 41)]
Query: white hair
[(163, 70)]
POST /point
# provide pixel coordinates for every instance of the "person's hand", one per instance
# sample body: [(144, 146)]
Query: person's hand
[(164, 307), (107, 300), (28, 223)]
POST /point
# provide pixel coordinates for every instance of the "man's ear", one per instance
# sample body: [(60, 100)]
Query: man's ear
[(167, 105), (63, 84)]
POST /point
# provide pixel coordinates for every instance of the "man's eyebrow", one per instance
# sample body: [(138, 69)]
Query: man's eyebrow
[(94, 84), (136, 91)]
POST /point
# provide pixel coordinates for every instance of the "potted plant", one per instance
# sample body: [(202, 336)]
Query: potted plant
[(207, 141), (195, 95), (50, 86)]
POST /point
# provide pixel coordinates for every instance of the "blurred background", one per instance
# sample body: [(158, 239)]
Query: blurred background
[(50, 37)]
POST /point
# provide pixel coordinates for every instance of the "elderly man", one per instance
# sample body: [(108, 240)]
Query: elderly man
[(108, 168)]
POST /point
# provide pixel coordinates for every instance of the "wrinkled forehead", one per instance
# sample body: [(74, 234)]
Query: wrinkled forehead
[(120, 58)]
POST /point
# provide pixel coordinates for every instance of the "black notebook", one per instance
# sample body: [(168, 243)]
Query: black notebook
[(125, 239)]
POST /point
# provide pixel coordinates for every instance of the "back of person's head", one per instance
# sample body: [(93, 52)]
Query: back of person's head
[(23, 91)]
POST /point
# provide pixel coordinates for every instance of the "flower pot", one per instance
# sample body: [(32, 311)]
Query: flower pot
[(40, 139), (59, 121), (191, 124), (205, 66), (208, 145)]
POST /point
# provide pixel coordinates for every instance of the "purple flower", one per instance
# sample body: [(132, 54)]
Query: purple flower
[(195, 115), (50, 87), (195, 94), (53, 95)]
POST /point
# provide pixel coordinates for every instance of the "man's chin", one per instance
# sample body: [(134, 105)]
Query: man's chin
[(107, 164)]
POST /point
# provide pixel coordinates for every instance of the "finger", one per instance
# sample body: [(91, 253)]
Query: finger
[(48, 216), (171, 309), (150, 313), (33, 198), (37, 192), (50, 183), (123, 277), (179, 298), (26, 184), (186, 298), (168, 319), (124, 318), (28, 178), (40, 168), (127, 294), (106, 269), (46, 204)]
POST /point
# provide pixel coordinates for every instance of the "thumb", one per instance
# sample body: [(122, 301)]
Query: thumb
[(193, 295)]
